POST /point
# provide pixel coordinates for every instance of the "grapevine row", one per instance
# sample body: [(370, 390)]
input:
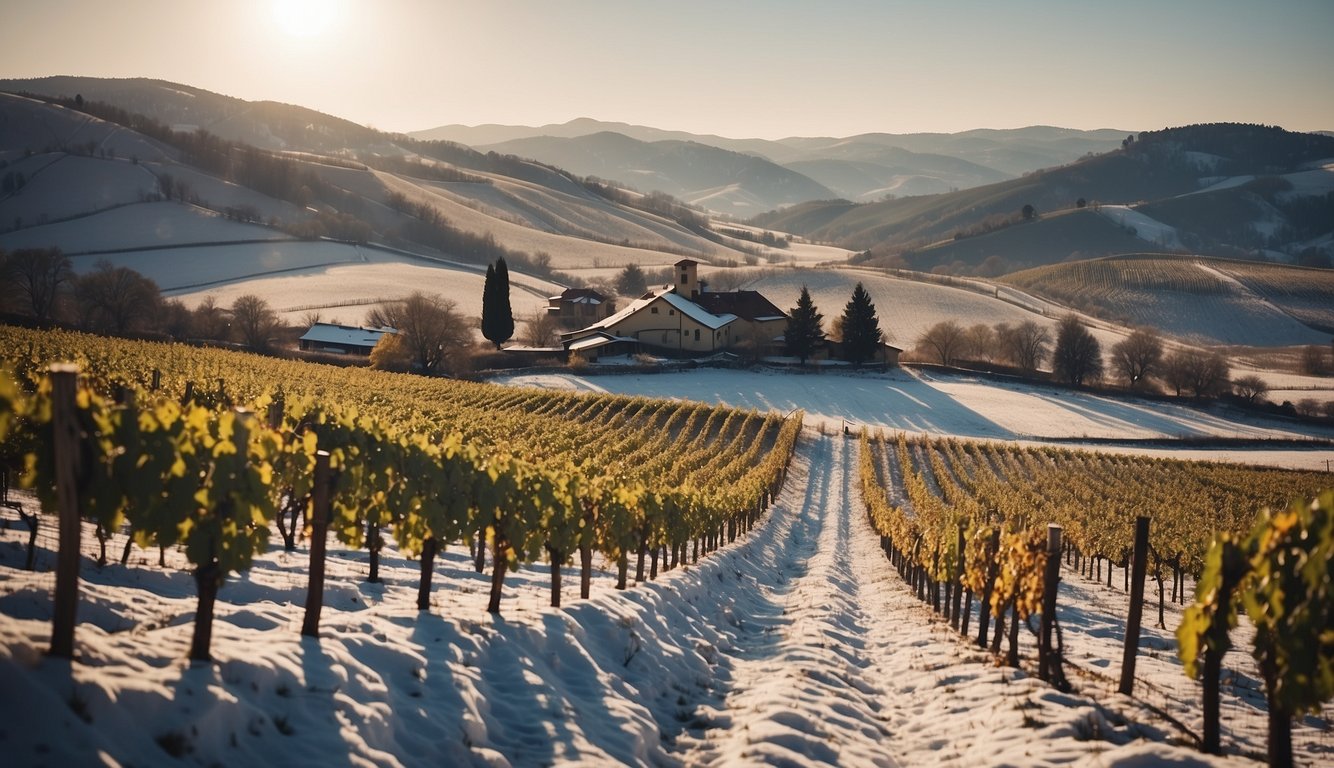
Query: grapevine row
[(212, 479)]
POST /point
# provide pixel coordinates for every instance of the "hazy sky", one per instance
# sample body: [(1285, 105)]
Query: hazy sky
[(740, 68)]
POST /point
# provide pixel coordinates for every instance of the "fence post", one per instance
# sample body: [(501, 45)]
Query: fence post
[(319, 518), (157, 380), (1049, 662), (1139, 562), (64, 418)]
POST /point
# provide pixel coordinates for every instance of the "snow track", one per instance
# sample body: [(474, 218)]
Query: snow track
[(801, 686)]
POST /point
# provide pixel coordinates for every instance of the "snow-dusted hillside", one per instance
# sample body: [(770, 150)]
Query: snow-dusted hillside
[(147, 225)]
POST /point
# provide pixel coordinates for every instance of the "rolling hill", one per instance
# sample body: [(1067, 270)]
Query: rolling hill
[(201, 215), (719, 179), (1206, 301), (204, 215), (864, 168), (1229, 168)]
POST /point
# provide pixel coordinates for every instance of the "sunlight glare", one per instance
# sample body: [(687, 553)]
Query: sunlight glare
[(304, 18)]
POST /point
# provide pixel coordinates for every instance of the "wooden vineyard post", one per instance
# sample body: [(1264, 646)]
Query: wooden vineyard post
[(1139, 562), (984, 604), (319, 520), (1049, 661), (64, 381), (958, 584), (1213, 663), (157, 380)]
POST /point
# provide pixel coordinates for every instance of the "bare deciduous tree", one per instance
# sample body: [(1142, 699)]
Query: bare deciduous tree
[(1025, 345), (979, 343), (209, 321), (433, 331), (1136, 358), (944, 340), (1200, 373), (115, 299), (254, 322), (35, 277), (175, 320), (1250, 388), (541, 329)]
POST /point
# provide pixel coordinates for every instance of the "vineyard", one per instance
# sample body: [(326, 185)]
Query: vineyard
[(523, 475), (1193, 297), (962, 520), (1302, 293), (205, 483)]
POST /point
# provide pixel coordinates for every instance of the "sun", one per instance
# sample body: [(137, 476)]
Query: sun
[(305, 18)]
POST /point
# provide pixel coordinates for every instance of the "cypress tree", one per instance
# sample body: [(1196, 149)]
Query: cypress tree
[(860, 327), (803, 333), (497, 316)]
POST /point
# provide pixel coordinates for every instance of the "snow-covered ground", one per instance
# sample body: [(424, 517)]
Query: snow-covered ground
[(796, 645), (1146, 228), (964, 406), (71, 185), (352, 278), (145, 225)]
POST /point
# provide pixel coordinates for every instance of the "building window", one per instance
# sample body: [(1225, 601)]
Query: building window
[(671, 313), (685, 278), (654, 310), (696, 334)]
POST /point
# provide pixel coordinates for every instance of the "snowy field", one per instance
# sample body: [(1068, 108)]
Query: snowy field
[(797, 645), (962, 406), (351, 279)]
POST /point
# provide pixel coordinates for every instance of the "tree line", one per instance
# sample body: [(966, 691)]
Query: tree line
[(1141, 362), (40, 284)]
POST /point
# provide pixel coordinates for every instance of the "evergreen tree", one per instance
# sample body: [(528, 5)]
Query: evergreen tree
[(632, 281), (497, 316), (860, 327), (804, 333)]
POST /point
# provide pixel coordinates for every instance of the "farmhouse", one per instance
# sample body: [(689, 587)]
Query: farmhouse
[(576, 307), (681, 319), (342, 339)]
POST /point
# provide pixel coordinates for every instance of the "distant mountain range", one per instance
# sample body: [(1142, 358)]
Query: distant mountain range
[(859, 168)]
